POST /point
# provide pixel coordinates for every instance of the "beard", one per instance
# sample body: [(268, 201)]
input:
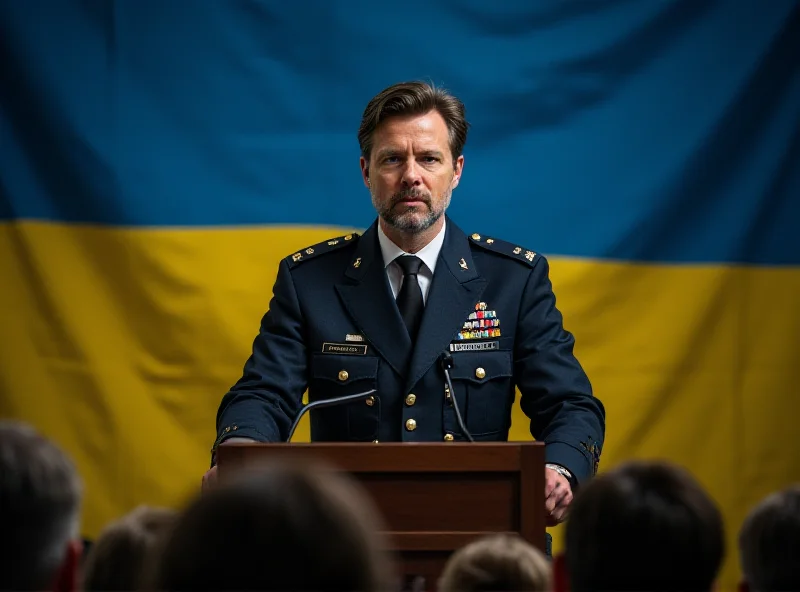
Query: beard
[(415, 218)]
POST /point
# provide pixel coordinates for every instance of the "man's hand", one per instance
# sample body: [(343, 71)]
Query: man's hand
[(210, 478), (557, 496)]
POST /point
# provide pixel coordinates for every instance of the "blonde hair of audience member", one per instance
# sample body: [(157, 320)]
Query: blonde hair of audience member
[(278, 527), (497, 563), (643, 526), (119, 555), (40, 497), (769, 543)]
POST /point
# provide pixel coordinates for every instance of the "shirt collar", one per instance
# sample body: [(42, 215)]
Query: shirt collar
[(429, 253)]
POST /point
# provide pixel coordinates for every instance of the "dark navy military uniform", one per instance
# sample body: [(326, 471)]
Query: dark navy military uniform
[(333, 327)]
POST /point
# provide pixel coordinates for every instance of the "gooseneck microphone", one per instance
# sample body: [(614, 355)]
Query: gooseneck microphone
[(447, 363), (333, 401)]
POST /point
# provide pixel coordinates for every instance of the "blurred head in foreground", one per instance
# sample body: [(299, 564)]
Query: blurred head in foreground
[(642, 526), (277, 527), (40, 497), (500, 563), (121, 552), (769, 543)]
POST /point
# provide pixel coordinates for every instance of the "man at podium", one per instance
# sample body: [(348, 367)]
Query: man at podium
[(416, 331)]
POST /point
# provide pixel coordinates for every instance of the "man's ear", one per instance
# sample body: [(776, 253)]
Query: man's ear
[(560, 576), (458, 170), (364, 170), (68, 575)]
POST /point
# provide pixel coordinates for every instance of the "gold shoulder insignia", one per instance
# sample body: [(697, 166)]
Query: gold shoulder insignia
[(504, 248), (326, 246)]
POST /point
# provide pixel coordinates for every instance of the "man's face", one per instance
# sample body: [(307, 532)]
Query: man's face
[(410, 174)]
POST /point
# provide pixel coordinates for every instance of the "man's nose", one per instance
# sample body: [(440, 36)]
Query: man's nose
[(411, 174)]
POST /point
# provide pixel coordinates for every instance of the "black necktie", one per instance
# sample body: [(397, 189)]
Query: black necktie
[(409, 300)]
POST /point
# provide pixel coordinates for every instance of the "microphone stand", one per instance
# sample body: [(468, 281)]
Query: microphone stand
[(328, 403), (447, 363)]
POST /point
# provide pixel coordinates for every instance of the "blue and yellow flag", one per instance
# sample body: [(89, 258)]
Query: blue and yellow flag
[(159, 159)]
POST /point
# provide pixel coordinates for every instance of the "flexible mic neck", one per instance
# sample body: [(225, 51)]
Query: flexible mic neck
[(331, 402), (447, 363)]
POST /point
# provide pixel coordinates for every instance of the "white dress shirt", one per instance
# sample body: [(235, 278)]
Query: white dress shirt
[(429, 254)]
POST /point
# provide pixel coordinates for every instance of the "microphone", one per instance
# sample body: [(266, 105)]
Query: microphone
[(447, 363), (331, 402)]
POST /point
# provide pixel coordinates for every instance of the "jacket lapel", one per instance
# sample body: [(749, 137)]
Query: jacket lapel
[(367, 297), (455, 289)]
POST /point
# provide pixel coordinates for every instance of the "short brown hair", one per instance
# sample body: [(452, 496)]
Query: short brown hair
[(117, 559), (277, 527), (414, 98), (497, 563), (769, 543), (643, 526)]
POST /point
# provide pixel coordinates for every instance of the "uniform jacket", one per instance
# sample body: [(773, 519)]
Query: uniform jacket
[(334, 328)]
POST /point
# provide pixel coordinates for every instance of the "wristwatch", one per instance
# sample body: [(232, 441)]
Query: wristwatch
[(561, 471)]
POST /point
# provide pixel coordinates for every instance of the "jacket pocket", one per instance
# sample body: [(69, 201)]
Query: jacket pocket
[(340, 375), (484, 390)]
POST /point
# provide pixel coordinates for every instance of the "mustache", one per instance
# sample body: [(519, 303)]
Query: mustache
[(409, 194)]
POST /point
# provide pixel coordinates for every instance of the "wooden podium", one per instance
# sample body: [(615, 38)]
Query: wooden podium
[(434, 497)]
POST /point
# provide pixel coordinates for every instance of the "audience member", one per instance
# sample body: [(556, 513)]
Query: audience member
[(500, 563), (769, 544), (643, 526), (123, 549), (282, 528), (40, 497)]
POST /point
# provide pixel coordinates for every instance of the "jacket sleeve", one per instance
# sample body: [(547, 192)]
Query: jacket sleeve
[(263, 403), (556, 393)]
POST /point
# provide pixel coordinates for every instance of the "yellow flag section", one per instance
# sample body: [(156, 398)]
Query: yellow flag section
[(120, 343)]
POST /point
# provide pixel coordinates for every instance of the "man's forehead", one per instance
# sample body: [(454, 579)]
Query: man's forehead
[(421, 133)]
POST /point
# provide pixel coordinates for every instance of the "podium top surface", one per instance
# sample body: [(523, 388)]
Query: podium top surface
[(396, 456)]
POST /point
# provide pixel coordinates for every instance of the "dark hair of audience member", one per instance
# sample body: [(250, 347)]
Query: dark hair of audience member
[(282, 528), (643, 526), (121, 552), (497, 563), (769, 543)]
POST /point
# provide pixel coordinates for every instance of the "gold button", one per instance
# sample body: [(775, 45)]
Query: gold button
[(448, 437), (343, 375), (411, 399), (228, 429), (476, 236), (411, 425), (370, 401), (235, 428), (480, 372), (374, 441)]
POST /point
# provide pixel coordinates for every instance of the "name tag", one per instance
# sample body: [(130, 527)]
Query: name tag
[(474, 346), (344, 348)]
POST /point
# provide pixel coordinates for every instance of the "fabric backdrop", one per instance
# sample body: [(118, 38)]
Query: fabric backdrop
[(160, 157)]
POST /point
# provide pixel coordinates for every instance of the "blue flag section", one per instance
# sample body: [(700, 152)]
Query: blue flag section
[(661, 131), (158, 159)]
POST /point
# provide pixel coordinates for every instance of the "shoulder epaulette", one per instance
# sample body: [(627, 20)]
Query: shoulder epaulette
[(321, 248), (504, 248)]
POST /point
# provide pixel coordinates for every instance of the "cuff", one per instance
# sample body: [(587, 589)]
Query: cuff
[(569, 457)]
